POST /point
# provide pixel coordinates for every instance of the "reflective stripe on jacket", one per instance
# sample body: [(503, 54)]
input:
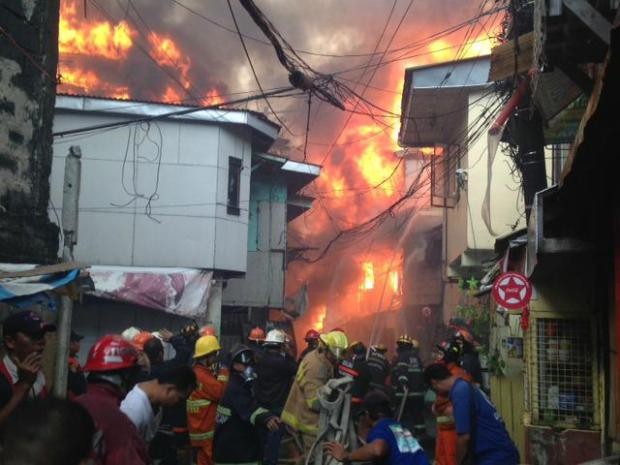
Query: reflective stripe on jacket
[(301, 411), (202, 404)]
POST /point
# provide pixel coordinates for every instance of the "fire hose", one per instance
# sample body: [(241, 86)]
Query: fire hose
[(335, 416), (401, 407)]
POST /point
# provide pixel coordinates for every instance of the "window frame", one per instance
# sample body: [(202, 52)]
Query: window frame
[(233, 186)]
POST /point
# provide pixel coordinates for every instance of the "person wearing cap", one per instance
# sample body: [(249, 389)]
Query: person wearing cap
[(301, 411), (408, 384), (256, 337), (388, 442), (76, 381), (202, 403), (21, 377), (276, 370), (112, 366), (239, 416)]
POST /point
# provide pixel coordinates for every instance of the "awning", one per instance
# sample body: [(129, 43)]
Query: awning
[(24, 285), (180, 291)]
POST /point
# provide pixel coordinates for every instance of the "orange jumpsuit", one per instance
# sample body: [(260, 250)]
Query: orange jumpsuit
[(201, 410), (445, 446)]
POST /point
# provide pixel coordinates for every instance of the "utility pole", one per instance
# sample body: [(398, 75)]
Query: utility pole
[(70, 208)]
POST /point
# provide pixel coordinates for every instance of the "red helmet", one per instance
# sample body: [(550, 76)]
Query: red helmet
[(312, 335), (256, 334), (207, 330), (110, 353)]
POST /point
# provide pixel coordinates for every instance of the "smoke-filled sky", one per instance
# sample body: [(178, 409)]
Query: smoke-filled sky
[(159, 50)]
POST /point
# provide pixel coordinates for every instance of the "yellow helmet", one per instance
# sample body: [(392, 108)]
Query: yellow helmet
[(404, 339), (206, 345), (379, 348), (336, 342)]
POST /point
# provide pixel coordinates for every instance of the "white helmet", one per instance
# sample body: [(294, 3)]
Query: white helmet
[(275, 336), (130, 333)]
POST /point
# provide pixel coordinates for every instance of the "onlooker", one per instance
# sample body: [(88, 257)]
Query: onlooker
[(112, 365), (275, 370), (202, 404), (20, 369), (239, 415), (388, 442), (481, 434), (76, 382), (48, 432), (143, 404)]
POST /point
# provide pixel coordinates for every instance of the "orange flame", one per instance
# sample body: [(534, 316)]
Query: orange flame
[(395, 282), (78, 80), (166, 53), (369, 276), (319, 320), (96, 38)]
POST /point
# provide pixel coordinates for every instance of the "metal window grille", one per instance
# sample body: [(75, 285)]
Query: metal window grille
[(563, 381), (444, 163)]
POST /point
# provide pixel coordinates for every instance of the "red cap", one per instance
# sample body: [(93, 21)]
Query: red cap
[(312, 335), (110, 353), (140, 339), (207, 331)]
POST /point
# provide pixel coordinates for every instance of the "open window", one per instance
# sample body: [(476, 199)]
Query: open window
[(234, 186)]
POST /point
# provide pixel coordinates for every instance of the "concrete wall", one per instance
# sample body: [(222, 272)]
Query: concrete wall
[(189, 225), (263, 284), (27, 92)]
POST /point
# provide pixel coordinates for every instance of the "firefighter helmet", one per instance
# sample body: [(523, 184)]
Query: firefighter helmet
[(464, 335), (451, 351), (404, 340), (312, 335), (140, 339), (207, 330), (276, 337), (336, 342), (379, 348), (206, 345), (242, 354), (111, 353), (256, 334)]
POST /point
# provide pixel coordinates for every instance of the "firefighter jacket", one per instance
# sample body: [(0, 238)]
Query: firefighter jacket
[(407, 371), (237, 438), (379, 370), (202, 404), (358, 370), (301, 411), (275, 372)]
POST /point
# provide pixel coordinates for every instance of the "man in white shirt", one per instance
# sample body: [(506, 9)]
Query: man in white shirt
[(172, 385)]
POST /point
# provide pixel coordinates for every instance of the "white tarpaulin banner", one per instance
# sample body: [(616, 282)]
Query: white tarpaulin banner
[(180, 291)]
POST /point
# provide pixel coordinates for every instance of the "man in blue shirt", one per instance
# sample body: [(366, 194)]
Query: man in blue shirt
[(388, 442), (481, 433)]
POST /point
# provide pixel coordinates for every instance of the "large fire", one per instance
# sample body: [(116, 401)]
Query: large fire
[(84, 41)]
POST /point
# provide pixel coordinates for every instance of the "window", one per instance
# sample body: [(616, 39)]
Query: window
[(563, 378), (234, 186), (444, 163)]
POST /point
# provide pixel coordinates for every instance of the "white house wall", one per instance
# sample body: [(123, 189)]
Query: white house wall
[(192, 228), (506, 198)]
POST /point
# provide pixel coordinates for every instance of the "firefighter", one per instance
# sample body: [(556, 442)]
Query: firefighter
[(445, 445), (359, 372), (378, 367), (469, 360), (202, 403), (301, 411), (408, 380), (237, 438), (275, 370), (112, 365), (256, 337), (312, 341)]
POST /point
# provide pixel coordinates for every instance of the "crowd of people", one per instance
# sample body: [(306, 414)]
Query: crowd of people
[(133, 403)]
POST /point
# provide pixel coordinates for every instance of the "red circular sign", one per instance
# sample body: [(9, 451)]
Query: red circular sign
[(512, 291)]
